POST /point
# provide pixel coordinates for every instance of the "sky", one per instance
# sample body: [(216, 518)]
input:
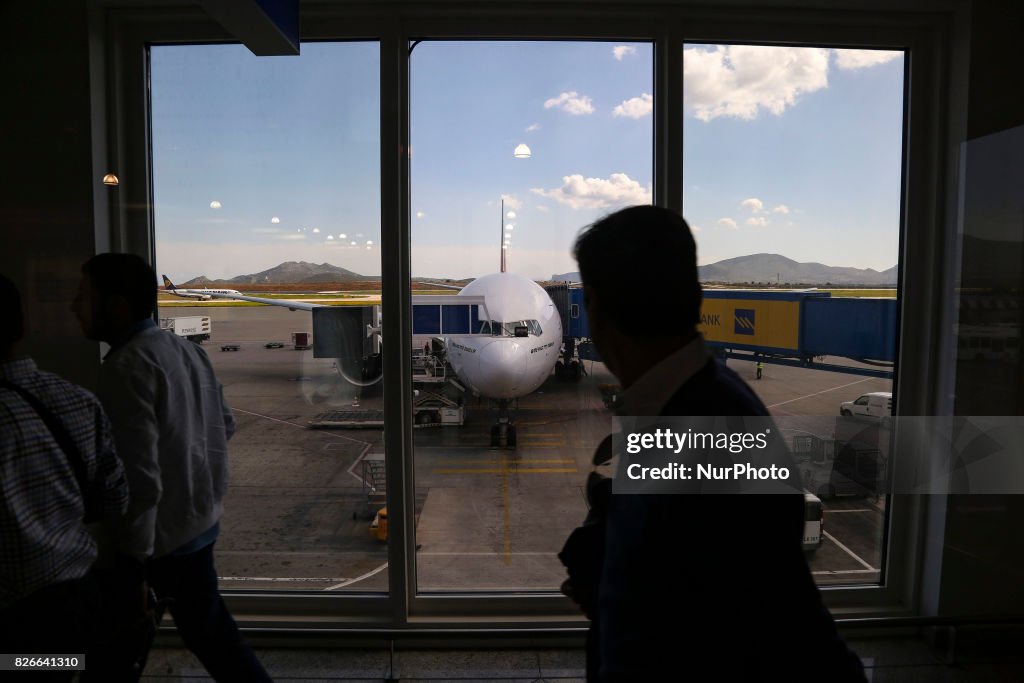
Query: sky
[(260, 160)]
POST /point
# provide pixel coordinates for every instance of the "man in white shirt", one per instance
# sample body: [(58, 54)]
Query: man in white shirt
[(171, 424)]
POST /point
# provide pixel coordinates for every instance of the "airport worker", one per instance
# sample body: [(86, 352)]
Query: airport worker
[(58, 471), (693, 586), (171, 425), (760, 369)]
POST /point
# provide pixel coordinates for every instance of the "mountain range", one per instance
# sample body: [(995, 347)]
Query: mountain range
[(289, 272), (775, 268)]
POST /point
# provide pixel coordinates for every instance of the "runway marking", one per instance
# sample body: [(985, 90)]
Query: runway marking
[(824, 391), (826, 572), (499, 470), (274, 419), (848, 551), (280, 579), (506, 522), (358, 460), (493, 554), (349, 582)]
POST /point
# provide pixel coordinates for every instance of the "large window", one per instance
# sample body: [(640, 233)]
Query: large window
[(267, 186), (792, 167), (516, 147)]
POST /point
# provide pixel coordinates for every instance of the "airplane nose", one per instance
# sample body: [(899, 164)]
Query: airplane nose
[(503, 363)]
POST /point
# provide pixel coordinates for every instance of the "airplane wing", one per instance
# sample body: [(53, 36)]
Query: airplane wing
[(291, 305)]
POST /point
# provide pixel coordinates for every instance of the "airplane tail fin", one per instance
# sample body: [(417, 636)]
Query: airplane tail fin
[(168, 285)]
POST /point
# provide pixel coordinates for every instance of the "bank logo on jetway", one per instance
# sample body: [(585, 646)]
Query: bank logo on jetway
[(744, 321)]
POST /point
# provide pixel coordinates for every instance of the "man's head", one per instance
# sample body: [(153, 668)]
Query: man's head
[(12, 318), (116, 292), (639, 271)]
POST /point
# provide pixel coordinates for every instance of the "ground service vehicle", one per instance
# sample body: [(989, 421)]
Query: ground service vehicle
[(195, 328), (876, 404)]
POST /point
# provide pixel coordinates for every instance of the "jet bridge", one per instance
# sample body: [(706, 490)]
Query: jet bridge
[(795, 328)]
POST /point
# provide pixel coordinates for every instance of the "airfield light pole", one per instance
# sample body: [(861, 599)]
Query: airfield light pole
[(501, 235)]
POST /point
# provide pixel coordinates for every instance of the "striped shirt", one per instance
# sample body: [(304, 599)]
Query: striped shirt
[(43, 539)]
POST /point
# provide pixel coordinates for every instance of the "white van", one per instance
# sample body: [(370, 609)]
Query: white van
[(876, 404)]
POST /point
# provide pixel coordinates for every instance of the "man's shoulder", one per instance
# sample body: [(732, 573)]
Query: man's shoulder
[(55, 391), (715, 390)]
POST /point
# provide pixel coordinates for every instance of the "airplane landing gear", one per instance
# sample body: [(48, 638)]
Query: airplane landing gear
[(503, 433)]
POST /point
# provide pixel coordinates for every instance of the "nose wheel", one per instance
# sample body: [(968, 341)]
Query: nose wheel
[(503, 435)]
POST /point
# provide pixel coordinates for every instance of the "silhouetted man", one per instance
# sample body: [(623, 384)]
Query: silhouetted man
[(693, 586), (172, 426), (58, 470)]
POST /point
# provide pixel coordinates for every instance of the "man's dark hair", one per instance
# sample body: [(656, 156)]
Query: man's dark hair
[(12, 318), (124, 275), (641, 263)]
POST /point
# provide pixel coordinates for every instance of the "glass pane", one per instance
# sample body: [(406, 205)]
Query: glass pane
[(532, 141), (266, 185), (792, 185)]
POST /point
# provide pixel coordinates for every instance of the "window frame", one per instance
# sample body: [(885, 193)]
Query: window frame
[(121, 31)]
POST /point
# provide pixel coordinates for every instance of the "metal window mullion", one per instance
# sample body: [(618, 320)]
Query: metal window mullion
[(396, 306), (668, 118)]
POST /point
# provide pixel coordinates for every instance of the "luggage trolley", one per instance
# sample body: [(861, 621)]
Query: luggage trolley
[(374, 485)]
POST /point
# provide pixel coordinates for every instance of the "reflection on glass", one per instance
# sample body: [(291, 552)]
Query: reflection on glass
[(515, 147), (792, 181), (267, 208)]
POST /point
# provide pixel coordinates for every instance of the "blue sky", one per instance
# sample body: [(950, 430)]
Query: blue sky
[(791, 151)]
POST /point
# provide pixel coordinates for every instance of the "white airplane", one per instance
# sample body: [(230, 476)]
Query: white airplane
[(203, 294), (513, 352)]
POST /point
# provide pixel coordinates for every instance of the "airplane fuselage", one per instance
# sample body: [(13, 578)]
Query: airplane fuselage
[(495, 363)]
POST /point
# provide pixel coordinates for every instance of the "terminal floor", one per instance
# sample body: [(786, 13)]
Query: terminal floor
[(978, 658)]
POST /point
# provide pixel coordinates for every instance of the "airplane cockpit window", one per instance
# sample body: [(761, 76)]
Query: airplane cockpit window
[(500, 329)]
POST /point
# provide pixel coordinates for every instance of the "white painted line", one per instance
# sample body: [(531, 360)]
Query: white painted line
[(358, 460), (845, 571), (281, 579), (443, 554), (825, 391), (848, 551), (293, 424), (349, 582)]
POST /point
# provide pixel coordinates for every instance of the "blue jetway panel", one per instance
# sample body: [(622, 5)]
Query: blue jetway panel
[(850, 327), (447, 318)]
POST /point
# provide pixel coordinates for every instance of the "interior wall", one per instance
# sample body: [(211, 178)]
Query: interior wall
[(983, 560), (46, 225)]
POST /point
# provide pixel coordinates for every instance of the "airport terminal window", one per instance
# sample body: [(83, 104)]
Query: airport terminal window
[(533, 141), (792, 171), (267, 184)]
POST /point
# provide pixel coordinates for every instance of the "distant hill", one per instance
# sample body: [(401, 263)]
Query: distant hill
[(567, 277), (289, 272), (771, 268)]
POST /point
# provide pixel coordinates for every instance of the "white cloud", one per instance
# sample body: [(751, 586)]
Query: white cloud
[(578, 192), (316, 229), (542, 208), (266, 231), (620, 51), (758, 222), (215, 204), (853, 60), (753, 203), (420, 214), (532, 127), (727, 222), (291, 236), (635, 107), (572, 103), (740, 80), (695, 228), (781, 208), (275, 220), (511, 201)]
